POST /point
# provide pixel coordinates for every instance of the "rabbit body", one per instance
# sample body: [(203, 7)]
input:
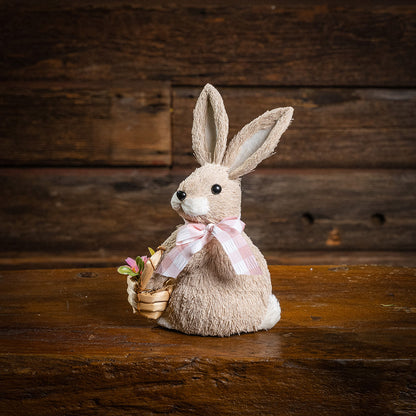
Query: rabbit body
[(210, 297)]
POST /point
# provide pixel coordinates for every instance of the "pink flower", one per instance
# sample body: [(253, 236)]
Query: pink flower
[(144, 258), (133, 265)]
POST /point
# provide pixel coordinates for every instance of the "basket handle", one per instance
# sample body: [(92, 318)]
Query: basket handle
[(150, 267)]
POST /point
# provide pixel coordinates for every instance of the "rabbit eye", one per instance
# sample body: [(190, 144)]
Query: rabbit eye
[(216, 189)]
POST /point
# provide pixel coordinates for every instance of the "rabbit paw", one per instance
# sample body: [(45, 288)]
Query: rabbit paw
[(132, 288), (272, 315)]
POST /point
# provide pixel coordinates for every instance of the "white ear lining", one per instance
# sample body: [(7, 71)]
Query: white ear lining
[(250, 146), (210, 130), (256, 141)]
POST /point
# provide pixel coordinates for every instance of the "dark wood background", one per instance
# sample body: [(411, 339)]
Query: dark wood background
[(96, 103)]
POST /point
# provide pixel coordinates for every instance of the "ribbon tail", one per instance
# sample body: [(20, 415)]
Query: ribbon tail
[(173, 262), (177, 258), (239, 253)]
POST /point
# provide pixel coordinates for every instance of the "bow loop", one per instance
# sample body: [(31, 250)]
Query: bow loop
[(232, 226), (192, 237), (189, 233)]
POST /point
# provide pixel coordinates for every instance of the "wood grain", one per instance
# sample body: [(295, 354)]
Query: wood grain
[(102, 84), (70, 258), (68, 212), (332, 127), (85, 124), (320, 257), (324, 43), (70, 345)]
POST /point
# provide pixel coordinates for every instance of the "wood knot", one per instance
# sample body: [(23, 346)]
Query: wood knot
[(87, 275), (334, 238), (378, 219), (308, 218)]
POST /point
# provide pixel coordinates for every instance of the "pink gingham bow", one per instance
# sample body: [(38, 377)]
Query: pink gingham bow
[(193, 236)]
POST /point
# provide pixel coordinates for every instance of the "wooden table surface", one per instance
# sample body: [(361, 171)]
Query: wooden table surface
[(346, 345)]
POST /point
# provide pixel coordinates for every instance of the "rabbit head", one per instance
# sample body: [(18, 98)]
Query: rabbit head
[(213, 192)]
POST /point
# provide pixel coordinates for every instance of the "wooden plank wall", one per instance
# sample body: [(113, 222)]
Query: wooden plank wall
[(96, 103)]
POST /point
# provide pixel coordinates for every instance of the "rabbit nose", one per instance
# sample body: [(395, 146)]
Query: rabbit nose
[(181, 195)]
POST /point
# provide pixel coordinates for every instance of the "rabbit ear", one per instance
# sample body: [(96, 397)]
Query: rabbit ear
[(210, 128), (256, 141)]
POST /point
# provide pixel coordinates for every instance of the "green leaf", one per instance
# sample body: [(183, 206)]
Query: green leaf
[(126, 270), (151, 251), (140, 263)]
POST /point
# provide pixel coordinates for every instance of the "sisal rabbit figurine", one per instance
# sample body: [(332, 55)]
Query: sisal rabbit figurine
[(223, 284)]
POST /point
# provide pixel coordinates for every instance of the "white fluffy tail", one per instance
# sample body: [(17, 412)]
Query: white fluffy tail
[(272, 315)]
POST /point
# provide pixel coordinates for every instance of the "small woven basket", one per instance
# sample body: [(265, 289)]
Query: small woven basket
[(152, 303)]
